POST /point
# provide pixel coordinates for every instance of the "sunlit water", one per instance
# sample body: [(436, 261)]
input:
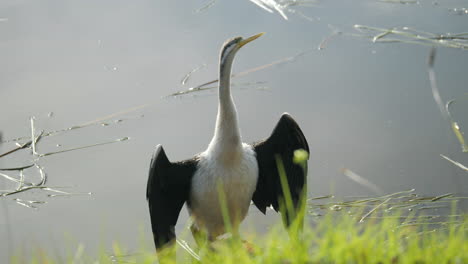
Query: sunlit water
[(363, 106)]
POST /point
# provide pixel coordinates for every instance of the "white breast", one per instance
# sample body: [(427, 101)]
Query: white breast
[(238, 179)]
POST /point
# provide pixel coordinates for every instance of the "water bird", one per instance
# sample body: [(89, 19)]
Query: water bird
[(228, 173)]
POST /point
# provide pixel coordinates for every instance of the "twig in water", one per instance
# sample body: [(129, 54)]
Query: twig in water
[(373, 210), (43, 176), (327, 39), (441, 197), (437, 98), (25, 145), (411, 36), (26, 205), (21, 183), (17, 168), (362, 181), (270, 5), (202, 86), (9, 178), (33, 137), (205, 7), (321, 197), (189, 74), (456, 163), (455, 127), (83, 125), (432, 79), (403, 2), (125, 111), (83, 147), (306, 17)]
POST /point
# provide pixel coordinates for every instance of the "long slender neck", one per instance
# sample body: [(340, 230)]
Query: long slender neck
[(226, 141)]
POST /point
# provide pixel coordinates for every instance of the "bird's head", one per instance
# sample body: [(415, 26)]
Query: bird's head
[(231, 46)]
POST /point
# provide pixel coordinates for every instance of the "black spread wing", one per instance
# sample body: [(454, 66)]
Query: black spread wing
[(285, 139), (167, 190)]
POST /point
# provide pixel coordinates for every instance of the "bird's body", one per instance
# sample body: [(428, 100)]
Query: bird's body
[(229, 174), (235, 175)]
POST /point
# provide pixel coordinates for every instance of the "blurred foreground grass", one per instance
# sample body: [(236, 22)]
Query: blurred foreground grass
[(390, 237)]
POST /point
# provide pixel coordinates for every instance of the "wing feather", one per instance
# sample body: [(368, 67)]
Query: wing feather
[(286, 138), (167, 190)]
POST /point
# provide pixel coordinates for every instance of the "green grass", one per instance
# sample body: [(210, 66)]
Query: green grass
[(336, 237)]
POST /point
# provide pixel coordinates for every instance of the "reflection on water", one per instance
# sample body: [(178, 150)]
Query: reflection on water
[(364, 102)]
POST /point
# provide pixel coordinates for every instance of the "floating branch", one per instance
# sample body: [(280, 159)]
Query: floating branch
[(456, 163), (205, 6), (206, 88), (432, 79), (455, 127), (83, 147), (11, 192), (459, 11), (25, 145), (324, 42), (398, 200), (444, 110), (361, 180), (281, 6), (75, 127), (189, 74), (203, 87), (17, 168), (270, 5), (321, 197), (412, 36), (373, 209), (9, 178), (21, 182), (306, 17), (441, 196), (33, 137), (69, 194), (28, 203), (459, 135), (403, 2), (23, 185), (43, 175)]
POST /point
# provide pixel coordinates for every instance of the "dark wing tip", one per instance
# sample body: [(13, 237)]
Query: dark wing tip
[(262, 208), (158, 160), (286, 118), (288, 121), (159, 153), (158, 149)]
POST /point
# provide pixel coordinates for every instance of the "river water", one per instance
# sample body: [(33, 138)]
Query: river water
[(364, 106)]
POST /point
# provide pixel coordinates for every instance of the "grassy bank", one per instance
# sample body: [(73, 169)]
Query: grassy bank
[(386, 237)]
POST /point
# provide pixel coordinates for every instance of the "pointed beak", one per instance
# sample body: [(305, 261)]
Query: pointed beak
[(252, 38)]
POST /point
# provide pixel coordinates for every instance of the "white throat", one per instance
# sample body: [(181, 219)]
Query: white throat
[(227, 142)]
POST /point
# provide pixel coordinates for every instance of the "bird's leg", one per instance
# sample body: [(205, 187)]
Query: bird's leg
[(199, 235)]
